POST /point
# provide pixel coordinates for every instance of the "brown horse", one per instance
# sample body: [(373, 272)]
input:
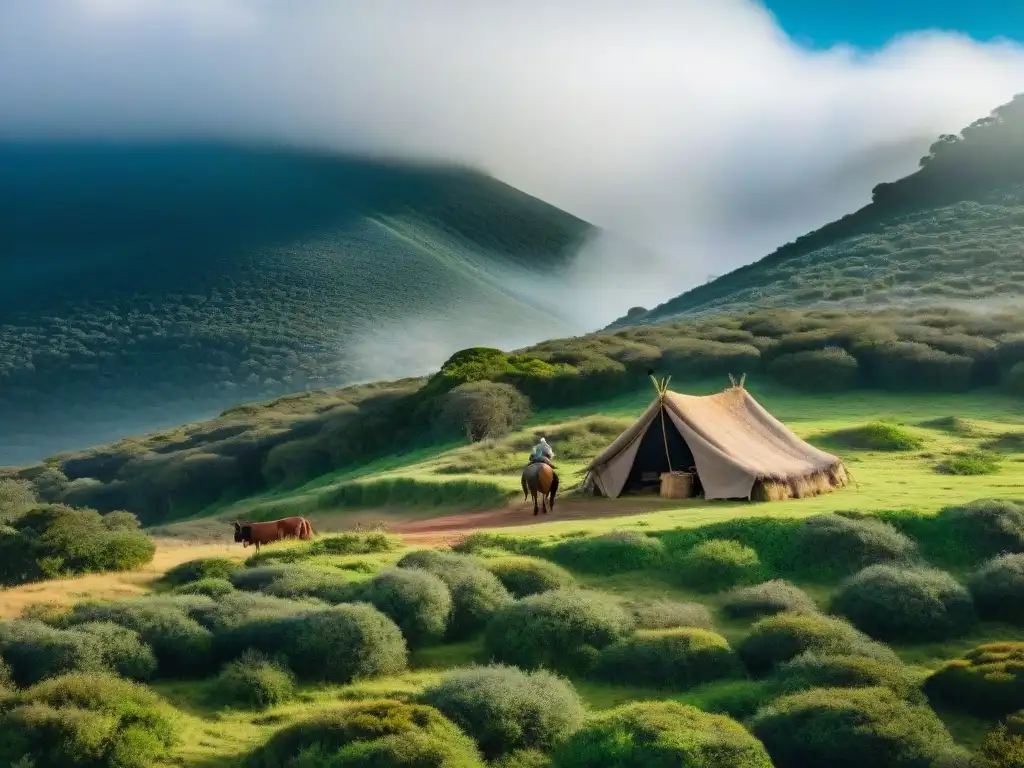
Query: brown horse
[(540, 479)]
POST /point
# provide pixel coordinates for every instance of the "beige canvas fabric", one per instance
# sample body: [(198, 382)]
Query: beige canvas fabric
[(734, 440)]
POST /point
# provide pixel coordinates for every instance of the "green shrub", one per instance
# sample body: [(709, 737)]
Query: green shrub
[(253, 681), (908, 604), (34, 651), (561, 630), (182, 647), (337, 544), (237, 608), (79, 720), (974, 462), (198, 570), (717, 564), (989, 680), (998, 589), (914, 367), (1003, 747), (299, 581), (506, 709), (876, 436), (483, 409), (985, 528), (615, 552), (661, 733), (257, 578), (776, 639), (837, 544), (814, 670), (767, 599), (373, 733), (525, 576), (669, 658), (831, 369), (693, 358), (339, 645), (122, 649), (667, 614), (208, 587), (416, 600), (524, 758), (476, 592), (851, 728)]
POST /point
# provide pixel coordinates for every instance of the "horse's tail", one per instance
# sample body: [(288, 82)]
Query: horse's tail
[(526, 489), (553, 490), (307, 528)]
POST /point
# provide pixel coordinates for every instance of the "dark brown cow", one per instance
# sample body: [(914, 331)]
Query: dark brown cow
[(258, 534)]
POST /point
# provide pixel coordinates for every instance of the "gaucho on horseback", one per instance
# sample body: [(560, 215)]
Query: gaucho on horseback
[(540, 478)]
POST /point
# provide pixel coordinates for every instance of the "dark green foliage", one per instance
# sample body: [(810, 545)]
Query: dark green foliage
[(661, 733), (237, 608), (776, 540), (34, 651), (476, 592), (986, 527), (336, 544), (182, 646), (876, 436), (203, 568), (325, 584), (915, 367), (85, 720), (416, 600), (669, 658), (699, 358), (667, 614), (840, 544), (1013, 381), (608, 553), (767, 599), (253, 681), (851, 728), (208, 587), (258, 578), (969, 463), (372, 734), (909, 604), (998, 589), (525, 576), (55, 540), (717, 564), (814, 670), (989, 679), (339, 645), (528, 758), (831, 369), (563, 630), (777, 639), (1003, 747), (483, 409), (506, 709), (122, 649)]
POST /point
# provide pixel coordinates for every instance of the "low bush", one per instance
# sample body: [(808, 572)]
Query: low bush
[(669, 658), (984, 528), (910, 604), (563, 630), (615, 552), (416, 600), (716, 564), (840, 545), (253, 681), (1003, 746), (851, 728), (34, 651), (777, 639), (661, 733), (237, 608), (78, 720), (969, 463), (476, 592), (181, 645), (523, 758), (483, 409), (339, 645), (122, 649), (202, 568), (374, 733), (876, 436), (767, 599), (998, 589), (369, 543), (506, 709), (989, 680), (299, 581), (258, 577), (210, 587), (814, 670), (831, 369), (667, 614), (525, 576)]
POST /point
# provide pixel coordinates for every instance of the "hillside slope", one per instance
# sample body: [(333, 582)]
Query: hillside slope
[(145, 285), (950, 232)]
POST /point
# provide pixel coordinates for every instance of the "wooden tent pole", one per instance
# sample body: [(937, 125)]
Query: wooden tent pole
[(661, 388)]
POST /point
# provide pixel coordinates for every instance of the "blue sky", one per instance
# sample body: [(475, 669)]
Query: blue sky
[(870, 23)]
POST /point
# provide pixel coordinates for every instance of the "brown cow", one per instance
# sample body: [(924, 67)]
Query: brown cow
[(258, 534)]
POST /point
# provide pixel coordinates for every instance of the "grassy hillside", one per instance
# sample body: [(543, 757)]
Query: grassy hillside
[(156, 282), (951, 232)]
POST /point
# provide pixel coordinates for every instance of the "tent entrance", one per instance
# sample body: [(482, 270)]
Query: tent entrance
[(651, 459)]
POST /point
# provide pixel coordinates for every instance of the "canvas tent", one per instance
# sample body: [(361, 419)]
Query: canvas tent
[(738, 449)]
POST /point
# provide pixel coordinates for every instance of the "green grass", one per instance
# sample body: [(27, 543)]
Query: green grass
[(876, 436), (974, 462)]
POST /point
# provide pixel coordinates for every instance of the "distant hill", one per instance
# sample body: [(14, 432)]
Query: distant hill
[(951, 232), (144, 285)]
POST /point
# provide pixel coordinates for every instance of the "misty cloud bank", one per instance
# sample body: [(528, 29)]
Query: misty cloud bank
[(696, 128)]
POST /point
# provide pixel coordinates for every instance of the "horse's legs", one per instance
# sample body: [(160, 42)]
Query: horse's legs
[(535, 511)]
